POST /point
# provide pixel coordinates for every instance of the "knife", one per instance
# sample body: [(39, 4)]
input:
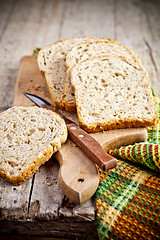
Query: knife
[(81, 138)]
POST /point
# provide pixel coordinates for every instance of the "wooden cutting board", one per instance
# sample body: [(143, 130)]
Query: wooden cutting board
[(78, 175)]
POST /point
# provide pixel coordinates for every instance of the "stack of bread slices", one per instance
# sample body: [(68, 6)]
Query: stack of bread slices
[(101, 79)]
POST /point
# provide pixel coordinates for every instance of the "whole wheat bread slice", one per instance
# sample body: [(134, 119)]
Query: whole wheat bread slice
[(87, 50), (112, 92), (51, 63), (29, 136)]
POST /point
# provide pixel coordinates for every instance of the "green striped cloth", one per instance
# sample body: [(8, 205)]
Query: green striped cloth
[(128, 197)]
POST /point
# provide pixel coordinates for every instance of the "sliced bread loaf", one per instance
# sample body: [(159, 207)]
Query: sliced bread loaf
[(51, 63), (87, 50), (29, 136), (112, 92)]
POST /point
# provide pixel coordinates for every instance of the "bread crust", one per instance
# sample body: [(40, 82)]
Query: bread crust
[(98, 127)]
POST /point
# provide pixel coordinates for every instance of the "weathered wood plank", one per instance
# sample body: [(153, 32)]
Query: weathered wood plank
[(7, 84), (137, 32), (128, 25), (69, 230), (46, 196), (14, 200), (5, 12), (152, 41), (48, 202), (30, 24), (49, 22), (88, 18)]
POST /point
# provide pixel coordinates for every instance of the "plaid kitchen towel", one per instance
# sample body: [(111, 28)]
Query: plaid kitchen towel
[(143, 153), (128, 197)]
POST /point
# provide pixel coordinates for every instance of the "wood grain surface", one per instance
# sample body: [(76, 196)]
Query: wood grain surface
[(28, 24)]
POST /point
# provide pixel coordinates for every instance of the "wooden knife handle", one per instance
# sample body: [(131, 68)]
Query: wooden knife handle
[(91, 147), (87, 143)]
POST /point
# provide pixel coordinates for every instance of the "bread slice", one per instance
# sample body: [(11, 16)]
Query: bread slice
[(29, 136), (112, 92), (51, 63), (87, 50)]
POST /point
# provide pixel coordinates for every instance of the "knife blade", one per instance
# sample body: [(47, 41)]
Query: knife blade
[(81, 138)]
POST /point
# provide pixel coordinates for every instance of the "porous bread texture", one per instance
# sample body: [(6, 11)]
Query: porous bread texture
[(51, 63), (112, 92), (87, 50), (29, 136)]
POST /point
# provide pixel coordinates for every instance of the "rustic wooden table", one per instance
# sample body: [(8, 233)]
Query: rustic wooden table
[(27, 24)]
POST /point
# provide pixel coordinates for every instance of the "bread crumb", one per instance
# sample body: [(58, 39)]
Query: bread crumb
[(73, 144), (49, 184)]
